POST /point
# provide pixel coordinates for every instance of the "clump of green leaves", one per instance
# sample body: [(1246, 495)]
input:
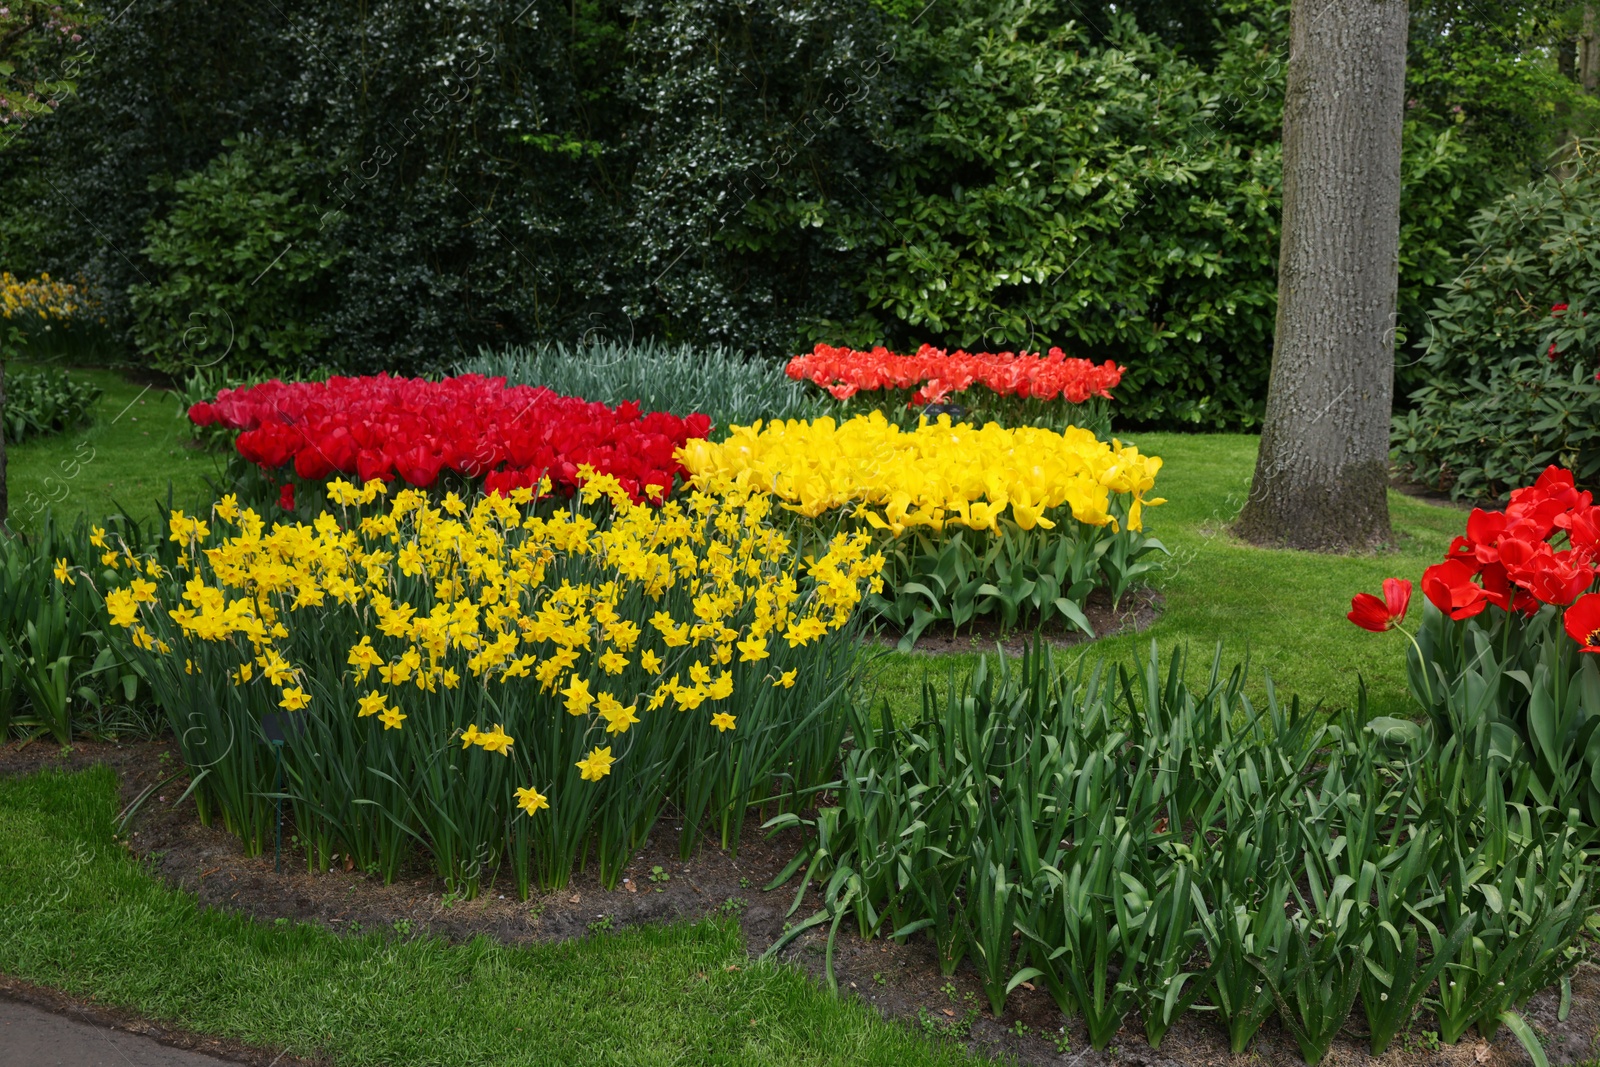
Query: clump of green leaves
[(1015, 577), (58, 671), (1146, 846), (45, 402)]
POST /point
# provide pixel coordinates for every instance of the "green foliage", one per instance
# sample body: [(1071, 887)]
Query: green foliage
[(244, 265), (1106, 199), (1160, 845), (1510, 382), (41, 403), (1016, 577), (58, 673), (1525, 678), (842, 170), (41, 55), (975, 405), (733, 389)]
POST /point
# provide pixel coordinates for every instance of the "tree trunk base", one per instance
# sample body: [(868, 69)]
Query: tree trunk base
[(1348, 515)]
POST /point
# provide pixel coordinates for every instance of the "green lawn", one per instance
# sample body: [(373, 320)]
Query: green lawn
[(81, 915), (1284, 610), (137, 444)]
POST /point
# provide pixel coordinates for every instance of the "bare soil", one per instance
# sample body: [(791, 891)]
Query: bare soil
[(1137, 612), (903, 982)]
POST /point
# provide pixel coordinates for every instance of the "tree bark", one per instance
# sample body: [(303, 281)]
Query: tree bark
[(1322, 475), (4, 501), (1589, 52)]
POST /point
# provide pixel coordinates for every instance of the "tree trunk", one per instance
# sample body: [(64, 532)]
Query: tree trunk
[(1321, 479), (3, 498), (1589, 52)]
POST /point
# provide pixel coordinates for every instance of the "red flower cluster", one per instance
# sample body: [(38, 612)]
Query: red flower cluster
[(935, 374), (1510, 559), (412, 428)]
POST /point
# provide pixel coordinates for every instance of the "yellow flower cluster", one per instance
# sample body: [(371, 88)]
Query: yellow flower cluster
[(42, 297), (935, 475), (500, 593)]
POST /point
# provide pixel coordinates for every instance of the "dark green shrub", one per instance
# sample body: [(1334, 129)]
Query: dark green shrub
[(838, 170), (245, 267), (1510, 373)]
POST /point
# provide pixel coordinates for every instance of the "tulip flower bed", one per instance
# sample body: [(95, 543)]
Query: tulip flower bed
[(430, 670), (1504, 641), (470, 426), (1142, 848), (1014, 389), (1020, 524)]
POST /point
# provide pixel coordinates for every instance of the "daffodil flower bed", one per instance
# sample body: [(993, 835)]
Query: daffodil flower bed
[(492, 684), (1021, 523)]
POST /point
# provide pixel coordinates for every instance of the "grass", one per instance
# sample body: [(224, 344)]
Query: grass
[(81, 915), (1285, 610), (136, 445)]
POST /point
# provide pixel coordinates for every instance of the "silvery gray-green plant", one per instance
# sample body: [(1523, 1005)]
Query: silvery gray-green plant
[(734, 389)]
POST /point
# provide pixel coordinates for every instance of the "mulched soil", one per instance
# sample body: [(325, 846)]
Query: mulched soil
[(1399, 480), (1137, 612), (902, 982)]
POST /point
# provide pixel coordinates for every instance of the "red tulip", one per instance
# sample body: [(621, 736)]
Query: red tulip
[(286, 497), (1370, 613), (1449, 587), (379, 426), (843, 371), (1582, 621)]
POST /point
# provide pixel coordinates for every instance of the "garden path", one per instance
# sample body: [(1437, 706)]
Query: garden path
[(30, 1037)]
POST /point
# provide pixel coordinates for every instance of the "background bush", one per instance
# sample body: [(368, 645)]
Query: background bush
[(245, 277), (1510, 383), (759, 174)]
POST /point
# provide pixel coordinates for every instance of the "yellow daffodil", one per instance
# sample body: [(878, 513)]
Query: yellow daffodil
[(618, 716), (578, 696), (531, 800), (596, 765), (496, 740)]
